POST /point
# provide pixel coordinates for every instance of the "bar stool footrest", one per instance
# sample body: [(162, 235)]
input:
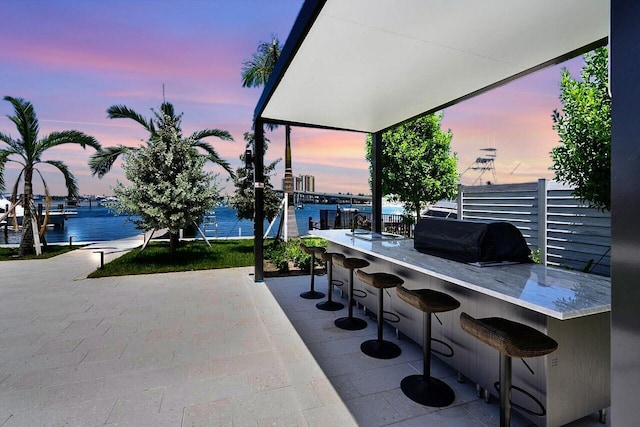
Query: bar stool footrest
[(359, 293), (543, 411), (427, 392), (394, 318), (450, 353)]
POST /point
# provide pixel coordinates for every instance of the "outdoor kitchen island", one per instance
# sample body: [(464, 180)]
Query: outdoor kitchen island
[(571, 307)]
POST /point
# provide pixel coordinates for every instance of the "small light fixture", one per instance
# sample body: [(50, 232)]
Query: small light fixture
[(248, 159)]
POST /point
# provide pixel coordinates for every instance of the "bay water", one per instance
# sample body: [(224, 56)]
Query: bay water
[(99, 223)]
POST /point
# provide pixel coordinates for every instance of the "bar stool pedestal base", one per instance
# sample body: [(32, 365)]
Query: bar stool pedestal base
[(350, 323), (312, 295), (380, 349), (330, 306), (429, 392)]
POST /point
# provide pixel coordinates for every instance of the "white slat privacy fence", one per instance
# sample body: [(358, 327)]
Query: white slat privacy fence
[(568, 232)]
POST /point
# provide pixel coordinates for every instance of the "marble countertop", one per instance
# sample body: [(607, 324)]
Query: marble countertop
[(555, 292)]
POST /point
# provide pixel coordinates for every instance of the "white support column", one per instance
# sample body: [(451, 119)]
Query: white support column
[(286, 217), (542, 220)]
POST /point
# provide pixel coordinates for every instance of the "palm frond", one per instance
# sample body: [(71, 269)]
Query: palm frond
[(69, 137), (250, 139), (124, 112), (257, 70), (215, 158), (25, 120), (5, 138), (167, 108), (4, 157), (102, 160), (69, 180), (218, 133)]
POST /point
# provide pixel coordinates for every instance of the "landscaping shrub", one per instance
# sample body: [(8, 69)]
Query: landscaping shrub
[(282, 253)]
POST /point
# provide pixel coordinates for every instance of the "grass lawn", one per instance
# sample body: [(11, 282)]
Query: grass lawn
[(195, 255), (11, 254)]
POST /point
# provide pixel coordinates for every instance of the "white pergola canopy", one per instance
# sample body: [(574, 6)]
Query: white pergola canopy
[(367, 65)]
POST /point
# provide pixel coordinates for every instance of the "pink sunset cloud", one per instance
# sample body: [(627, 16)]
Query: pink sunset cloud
[(79, 58)]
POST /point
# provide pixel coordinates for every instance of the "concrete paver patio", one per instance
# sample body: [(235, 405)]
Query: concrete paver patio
[(203, 348)]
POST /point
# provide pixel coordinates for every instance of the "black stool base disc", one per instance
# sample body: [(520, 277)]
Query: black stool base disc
[(430, 392), (330, 306), (380, 349), (312, 295), (350, 323)]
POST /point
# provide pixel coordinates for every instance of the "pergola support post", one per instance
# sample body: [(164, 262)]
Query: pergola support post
[(376, 182), (625, 205), (258, 187)]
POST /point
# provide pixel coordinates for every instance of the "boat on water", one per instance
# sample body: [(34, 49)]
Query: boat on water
[(6, 206), (56, 216), (442, 209), (106, 201)]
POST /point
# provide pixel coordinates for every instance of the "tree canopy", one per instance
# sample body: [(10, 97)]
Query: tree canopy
[(28, 151), (584, 127), (102, 161), (417, 166), (169, 187), (243, 200)]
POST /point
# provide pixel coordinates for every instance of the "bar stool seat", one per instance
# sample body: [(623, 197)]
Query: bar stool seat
[(349, 322), (379, 348), (314, 251), (511, 339), (424, 389), (330, 304)]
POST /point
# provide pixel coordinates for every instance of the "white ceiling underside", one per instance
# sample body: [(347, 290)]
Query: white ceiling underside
[(366, 65)]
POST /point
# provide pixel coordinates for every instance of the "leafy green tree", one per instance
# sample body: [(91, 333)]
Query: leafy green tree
[(584, 127), (27, 151), (169, 188), (417, 166), (243, 200), (102, 161)]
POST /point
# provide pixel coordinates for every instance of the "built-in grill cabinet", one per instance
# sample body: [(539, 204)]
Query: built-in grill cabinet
[(471, 241)]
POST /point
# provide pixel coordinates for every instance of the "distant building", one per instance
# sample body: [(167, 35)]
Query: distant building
[(303, 183)]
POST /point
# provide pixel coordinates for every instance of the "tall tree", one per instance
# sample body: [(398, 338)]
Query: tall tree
[(256, 73), (243, 200), (28, 151), (169, 188), (584, 127), (102, 161), (417, 166)]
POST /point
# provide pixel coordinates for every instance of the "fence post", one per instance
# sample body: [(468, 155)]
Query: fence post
[(542, 220)]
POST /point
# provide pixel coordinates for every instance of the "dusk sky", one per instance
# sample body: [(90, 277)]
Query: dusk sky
[(74, 58)]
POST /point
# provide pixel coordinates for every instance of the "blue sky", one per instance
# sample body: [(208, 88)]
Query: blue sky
[(73, 59)]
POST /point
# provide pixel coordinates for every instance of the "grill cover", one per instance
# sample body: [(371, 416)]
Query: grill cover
[(470, 241)]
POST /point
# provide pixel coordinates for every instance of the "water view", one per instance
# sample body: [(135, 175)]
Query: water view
[(98, 223)]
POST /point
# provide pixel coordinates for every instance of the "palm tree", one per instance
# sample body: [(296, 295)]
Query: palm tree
[(102, 161), (27, 151), (255, 73)]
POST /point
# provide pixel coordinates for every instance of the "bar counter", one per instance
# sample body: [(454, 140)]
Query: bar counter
[(572, 307)]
